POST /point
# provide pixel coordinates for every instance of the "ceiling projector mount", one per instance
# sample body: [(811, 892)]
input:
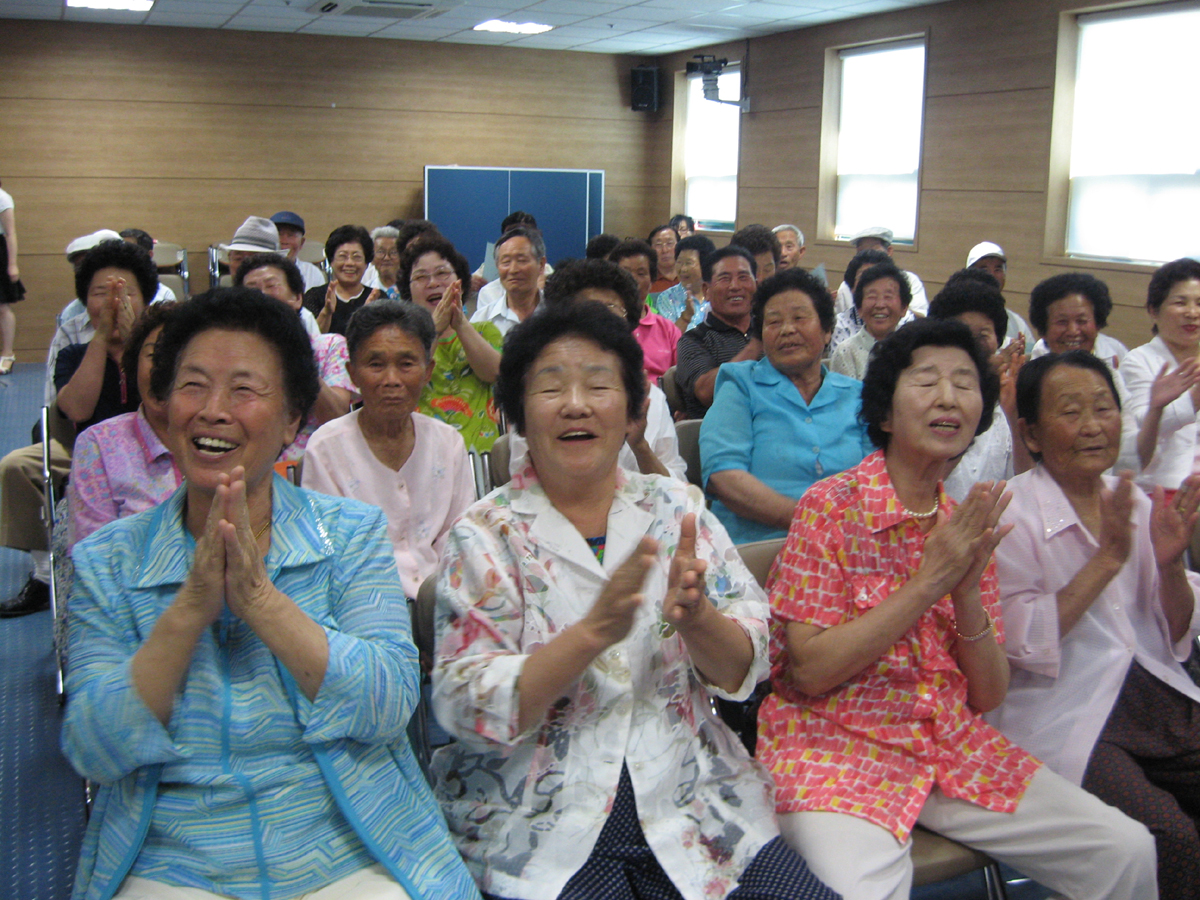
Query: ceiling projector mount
[(709, 68)]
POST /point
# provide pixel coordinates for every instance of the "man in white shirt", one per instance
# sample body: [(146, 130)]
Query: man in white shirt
[(291, 239), (876, 237), (521, 260), (989, 257)]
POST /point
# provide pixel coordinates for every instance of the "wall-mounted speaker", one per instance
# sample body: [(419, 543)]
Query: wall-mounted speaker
[(643, 91)]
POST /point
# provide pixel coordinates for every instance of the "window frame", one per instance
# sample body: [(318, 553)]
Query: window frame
[(1062, 124), (831, 103), (678, 147)]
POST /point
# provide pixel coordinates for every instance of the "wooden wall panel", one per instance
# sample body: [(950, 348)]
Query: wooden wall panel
[(776, 146), (185, 132)]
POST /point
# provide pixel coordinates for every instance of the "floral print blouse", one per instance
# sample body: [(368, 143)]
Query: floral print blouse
[(526, 808)]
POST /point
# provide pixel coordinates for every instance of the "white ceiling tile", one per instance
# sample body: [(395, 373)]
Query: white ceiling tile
[(186, 20), (30, 11), (260, 23)]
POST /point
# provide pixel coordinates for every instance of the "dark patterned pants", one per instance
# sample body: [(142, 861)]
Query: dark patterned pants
[(622, 866), (1147, 764)]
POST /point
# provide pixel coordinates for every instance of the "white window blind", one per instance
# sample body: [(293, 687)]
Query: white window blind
[(879, 138), (710, 156), (1135, 137)]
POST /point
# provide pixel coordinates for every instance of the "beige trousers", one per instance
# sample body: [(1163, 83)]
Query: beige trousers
[(371, 883)]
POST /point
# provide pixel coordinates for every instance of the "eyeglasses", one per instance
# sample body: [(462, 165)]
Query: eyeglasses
[(441, 274), (387, 254)]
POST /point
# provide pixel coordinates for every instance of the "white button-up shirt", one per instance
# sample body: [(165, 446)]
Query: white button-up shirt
[(1175, 449), (499, 313), (1063, 687)]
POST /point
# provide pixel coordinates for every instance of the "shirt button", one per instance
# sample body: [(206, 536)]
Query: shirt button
[(816, 449), (808, 420)]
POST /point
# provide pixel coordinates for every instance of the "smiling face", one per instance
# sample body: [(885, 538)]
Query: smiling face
[(1070, 324), (687, 270), (97, 294), (519, 266), (639, 267), (576, 410), (272, 282), (349, 263), (228, 407), (792, 336), (994, 266), (387, 260), (882, 307), (431, 276), (731, 290), (1178, 319), (390, 369), (1078, 431), (936, 405), (291, 239)]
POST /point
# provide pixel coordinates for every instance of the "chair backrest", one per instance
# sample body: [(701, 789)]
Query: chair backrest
[(175, 283), (671, 388), (498, 461), (758, 556), (423, 618), (687, 433), (168, 256), (312, 252)]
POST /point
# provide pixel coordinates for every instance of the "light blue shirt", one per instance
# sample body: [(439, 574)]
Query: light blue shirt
[(272, 794), (759, 423)]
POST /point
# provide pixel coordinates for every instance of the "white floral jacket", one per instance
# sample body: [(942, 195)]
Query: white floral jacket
[(526, 808)]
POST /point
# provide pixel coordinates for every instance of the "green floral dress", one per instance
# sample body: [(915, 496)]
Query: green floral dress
[(460, 398)]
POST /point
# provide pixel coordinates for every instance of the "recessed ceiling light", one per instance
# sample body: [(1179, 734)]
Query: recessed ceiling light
[(512, 27), (130, 5)]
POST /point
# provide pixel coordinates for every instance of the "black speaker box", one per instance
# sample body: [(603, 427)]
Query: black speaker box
[(643, 81)]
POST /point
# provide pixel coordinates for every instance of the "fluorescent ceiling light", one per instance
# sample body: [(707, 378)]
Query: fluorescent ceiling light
[(131, 5), (512, 27)]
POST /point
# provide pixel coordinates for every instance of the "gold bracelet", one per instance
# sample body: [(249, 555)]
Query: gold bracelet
[(971, 638)]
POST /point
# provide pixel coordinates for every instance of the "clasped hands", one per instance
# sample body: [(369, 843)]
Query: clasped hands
[(686, 605), (228, 568), (116, 315), (959, 546)]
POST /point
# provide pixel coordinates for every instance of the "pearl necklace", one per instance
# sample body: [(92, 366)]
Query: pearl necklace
[(917, 515)]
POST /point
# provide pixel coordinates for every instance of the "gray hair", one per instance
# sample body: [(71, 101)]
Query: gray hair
[(385, 231), (536, 241), (799, 233)]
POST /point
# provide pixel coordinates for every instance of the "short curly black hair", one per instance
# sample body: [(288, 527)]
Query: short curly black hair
[(590, 321), (1034, 372), (431, 243), (758, 239), (579, 274), (1056, 287), (117, 255), (152, 316), (878, 272), (891, 356), (350, 234), (411, 318), (248, 310), (966, 295), (1166, 277), (634, 247), (791, 280), (863, 258), (708, 261)]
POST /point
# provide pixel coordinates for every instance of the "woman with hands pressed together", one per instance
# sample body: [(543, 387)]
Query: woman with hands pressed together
[(586, 615), (886, 649), (466, 356), (349, 250), (242, 670), (1101, 615)]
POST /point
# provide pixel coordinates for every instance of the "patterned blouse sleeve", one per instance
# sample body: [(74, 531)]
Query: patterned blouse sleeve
[(90, 501), (480, 622), (808, 583)]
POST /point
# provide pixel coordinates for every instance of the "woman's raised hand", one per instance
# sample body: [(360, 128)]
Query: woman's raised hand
[(247, 587), (448, 312), (611, 616), (1171, 384), (686, 602), (331, 297), (203, 594), (1116, 520), (958, 548), (1172, 524)]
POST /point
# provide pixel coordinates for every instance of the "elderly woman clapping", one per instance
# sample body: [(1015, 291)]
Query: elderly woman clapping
[(242, 670), (886, 648), (782, 422), (1101, 614), (586, 616)]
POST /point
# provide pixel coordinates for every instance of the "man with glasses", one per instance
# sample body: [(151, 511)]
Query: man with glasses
[(520, 258), (729, 283)]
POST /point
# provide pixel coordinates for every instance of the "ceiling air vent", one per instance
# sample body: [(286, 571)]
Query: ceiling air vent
[(384, 9)]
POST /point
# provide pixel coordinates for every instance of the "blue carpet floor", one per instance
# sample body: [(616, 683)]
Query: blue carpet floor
[(41, 797)]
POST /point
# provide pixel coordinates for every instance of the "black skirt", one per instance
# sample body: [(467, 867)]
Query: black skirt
[(10, 291)]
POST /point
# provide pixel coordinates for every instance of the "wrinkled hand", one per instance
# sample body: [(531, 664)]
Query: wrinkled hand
[(611, 616), (448, 312), (477, 283), (106, 320), (686, 603), (203, 593), (1116, 520), (375, 294), (958, 548), (247, 587), (1172, 524), (330, 298), (123, 313), (1169, 386), (1009, 363)]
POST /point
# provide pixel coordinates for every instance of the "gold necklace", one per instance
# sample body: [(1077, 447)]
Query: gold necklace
[(258, 534)]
